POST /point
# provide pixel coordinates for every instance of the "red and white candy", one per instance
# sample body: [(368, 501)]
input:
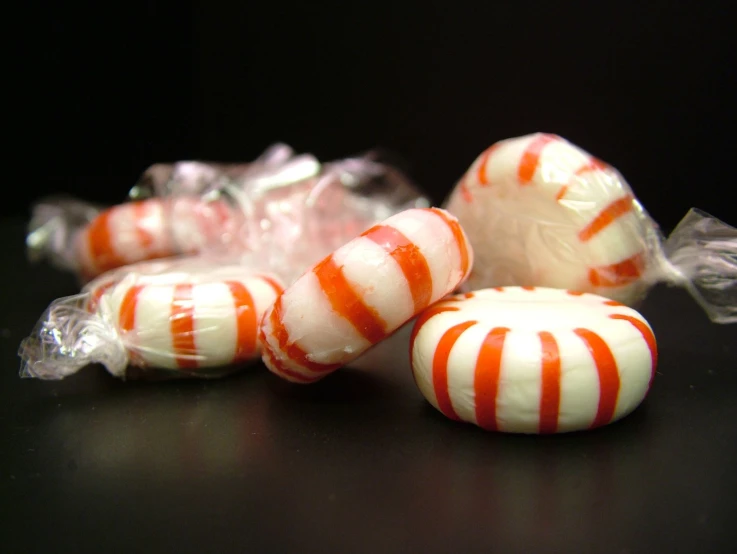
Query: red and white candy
[(533, 360), (185, 314), (363, 292), (150, 229), (540, 211)]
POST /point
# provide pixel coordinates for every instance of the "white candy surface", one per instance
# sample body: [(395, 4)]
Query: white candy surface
[(149, 229), (364, 291), (540, 211), (185, 314), (533, 360)]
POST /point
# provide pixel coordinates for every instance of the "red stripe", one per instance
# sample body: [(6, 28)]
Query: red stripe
[(531, 157), (527, 287), (182, 327), (440, 367), (96, 295), (575, 292), (458, 234), (127, 320), (424, 317), (606, 366), (278, 367), (347, 303), (606, 217), (127, 315), (273, 283), (100, 241), (409, 258), (465, 191), (481, 172), (289, 347), (500, 289), (550, 396), (592, 165), (486, 378), (621, 273), (649, 337), (612, 303), (246, 319)]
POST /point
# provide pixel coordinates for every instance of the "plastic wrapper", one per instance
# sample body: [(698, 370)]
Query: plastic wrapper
[(286, 227), (175, 318), (197, 177), (540, 211), (171, 216), (280, 214)]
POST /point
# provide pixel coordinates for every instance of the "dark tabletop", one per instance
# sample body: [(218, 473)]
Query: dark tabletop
[(359, 462)]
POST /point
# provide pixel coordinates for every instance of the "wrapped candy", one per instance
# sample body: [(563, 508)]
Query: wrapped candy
[(187, 316), (540, 211), (533, 360), (169, 217), (280, 215)]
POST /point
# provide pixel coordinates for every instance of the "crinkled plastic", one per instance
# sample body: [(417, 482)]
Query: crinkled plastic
[(701, 255), (185, 317), (281, 214), (167, 218), (287, 227), (53, 228), (540, 211), (196, 177)]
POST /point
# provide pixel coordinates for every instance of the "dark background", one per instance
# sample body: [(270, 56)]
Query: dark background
[(360, 462), (647, 86)]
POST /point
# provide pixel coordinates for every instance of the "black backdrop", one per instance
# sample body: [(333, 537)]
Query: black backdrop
[(648, 86)]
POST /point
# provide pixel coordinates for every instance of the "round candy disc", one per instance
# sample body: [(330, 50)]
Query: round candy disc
[(533, 360)]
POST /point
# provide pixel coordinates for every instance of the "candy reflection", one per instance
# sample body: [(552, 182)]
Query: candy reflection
[(152, 432)]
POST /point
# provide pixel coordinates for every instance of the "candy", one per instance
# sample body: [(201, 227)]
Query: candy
[(533, 360), (280, 217), (541, 211), (362, 292), (150, 229), (188, 213), (183, 315)]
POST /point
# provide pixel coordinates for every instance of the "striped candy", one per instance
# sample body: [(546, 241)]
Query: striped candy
[(364, 291), (541, 211), (533, 360), (149, 229), (185, 315)]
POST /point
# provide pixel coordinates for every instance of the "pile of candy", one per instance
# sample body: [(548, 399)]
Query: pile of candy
[(521, 290)]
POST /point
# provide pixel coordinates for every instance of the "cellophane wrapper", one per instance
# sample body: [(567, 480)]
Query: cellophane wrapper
[(184, 317), (540, 211), (167, 214), (285, 227)]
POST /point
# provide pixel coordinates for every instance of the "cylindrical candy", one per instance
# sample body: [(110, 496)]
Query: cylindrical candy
[(186, 318), (184, 315), (533, 360), (150, 229), (541, 211), (364, 291)]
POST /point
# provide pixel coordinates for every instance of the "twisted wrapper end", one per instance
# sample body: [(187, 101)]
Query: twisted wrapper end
[(701, 255), (67, 338)]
